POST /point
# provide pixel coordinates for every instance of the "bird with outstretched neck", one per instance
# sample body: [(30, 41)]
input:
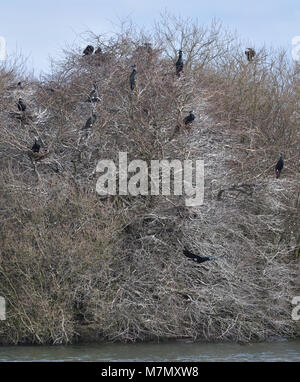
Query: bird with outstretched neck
[(132, 77), (94, 96), (179, 63)]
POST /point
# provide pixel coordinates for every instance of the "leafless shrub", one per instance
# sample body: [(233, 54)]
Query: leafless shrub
[(75, 267)]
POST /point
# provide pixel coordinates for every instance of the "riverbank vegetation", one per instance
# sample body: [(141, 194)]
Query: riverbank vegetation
[(77, 267)]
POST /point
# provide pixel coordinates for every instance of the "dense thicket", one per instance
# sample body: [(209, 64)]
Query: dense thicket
[(75, 266)]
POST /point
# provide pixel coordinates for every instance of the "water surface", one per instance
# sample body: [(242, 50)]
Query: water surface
[(163, 352)]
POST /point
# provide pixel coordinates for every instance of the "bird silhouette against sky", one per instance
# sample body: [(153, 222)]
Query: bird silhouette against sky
[(179, 63), (250, 53), (88, 50)]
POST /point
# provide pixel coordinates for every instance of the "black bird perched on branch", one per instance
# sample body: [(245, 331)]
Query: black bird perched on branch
[(190, 118), (98, 50), (132, 77), (179, 64), (88, 50), (93, 96), (279, 166), (250, 53), (90, 122), (21, 105), (36, 146), (197, 258), (17, 86)]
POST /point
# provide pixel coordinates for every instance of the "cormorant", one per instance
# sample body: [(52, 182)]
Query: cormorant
[(90, 122), (250, 53), (15, 86), (98, 50), (93, 96), (279, 166), (179, 64), (189, 119), (21, 105), (197, 258), (148, 47), (36, 146), (88, 50), (132, 77)]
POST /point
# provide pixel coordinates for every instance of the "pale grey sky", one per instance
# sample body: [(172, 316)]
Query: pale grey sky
[(40, 29)]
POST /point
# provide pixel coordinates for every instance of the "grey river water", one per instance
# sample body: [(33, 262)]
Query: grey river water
[(287, 351)]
